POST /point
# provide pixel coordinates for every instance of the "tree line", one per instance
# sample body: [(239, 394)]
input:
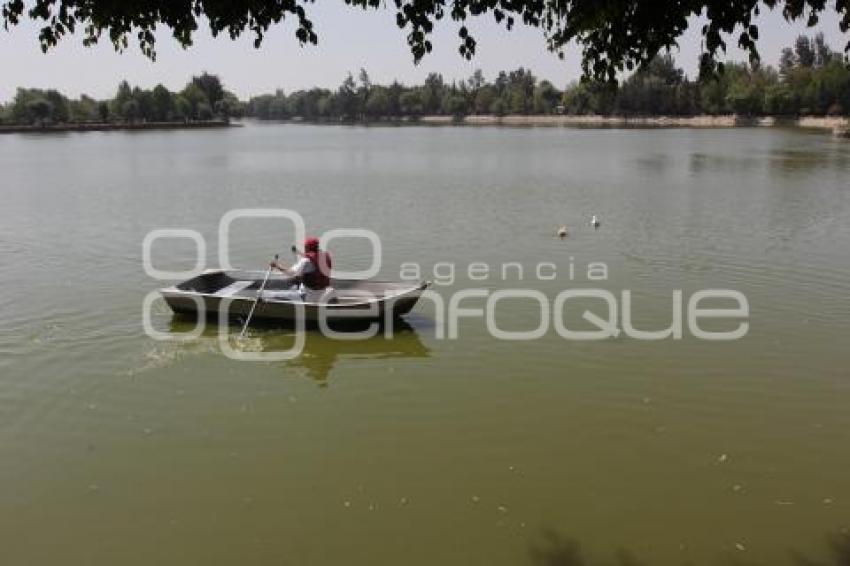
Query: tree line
[(203, 98), (812, 79), (514, 92)]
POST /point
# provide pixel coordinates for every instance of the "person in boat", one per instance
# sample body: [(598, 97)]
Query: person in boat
[(312, 273)]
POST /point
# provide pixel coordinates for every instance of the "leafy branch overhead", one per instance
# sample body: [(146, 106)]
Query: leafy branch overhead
[(614, 35)]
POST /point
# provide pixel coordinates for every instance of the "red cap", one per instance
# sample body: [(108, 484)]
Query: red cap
[(311, 244)]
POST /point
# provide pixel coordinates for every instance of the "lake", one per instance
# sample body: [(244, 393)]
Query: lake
[(415, 448)]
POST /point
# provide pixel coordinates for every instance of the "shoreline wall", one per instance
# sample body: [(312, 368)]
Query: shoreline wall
[(703, 121), (106, 127), (838, 124)]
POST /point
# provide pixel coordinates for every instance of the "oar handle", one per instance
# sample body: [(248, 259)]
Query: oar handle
[(256, 300)]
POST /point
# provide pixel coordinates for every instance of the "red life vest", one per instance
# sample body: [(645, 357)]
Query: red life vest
[(320, 277)]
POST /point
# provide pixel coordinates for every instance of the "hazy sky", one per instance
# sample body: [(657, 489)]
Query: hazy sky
[(349, 38)]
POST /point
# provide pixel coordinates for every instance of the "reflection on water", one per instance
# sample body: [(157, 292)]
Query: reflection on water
[(554, 549), (700, 162), (838, 545), (807, 154), (321, 353)]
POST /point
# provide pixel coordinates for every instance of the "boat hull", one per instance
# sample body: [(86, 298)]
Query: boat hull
[(232, 295)]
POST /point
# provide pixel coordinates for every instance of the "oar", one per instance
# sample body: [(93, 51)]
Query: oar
[(257, 300)]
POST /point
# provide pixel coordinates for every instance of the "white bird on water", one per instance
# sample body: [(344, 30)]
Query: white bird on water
[(594, 221), (562, 232)]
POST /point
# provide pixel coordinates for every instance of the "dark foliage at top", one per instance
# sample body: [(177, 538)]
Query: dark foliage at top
[(614, 35)]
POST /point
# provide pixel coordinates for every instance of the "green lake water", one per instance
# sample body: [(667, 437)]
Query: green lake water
[(416, 449)]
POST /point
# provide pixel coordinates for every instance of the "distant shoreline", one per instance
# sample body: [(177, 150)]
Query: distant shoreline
[(839, 125), (106, 127), (702, 121)]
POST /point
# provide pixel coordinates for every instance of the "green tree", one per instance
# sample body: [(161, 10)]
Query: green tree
[(433, 92), (279, 109), (144, 99), (804, 53), (518, 90), (364, 90), (258, 106), (58, 106), (182, 108), (833, 82), (234, 107), (378, 104), (347, 100), (130, 111), (664, 68), (103, 111), (777, 100), (823, 53), (411, 103), (517, 102), (83, 110), (712, 92), (786, 61), (602, 97), (499, 108), (744, 98), (325, 106), (394, 93), (546, 98), (40, 110), (211, 86), (124, 94), (163, 103), (484, 98), (31, 106), (576, 99), (222, 109), (204, 111), (456, 106), (659, 88), (476, 81), (196, 97)]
